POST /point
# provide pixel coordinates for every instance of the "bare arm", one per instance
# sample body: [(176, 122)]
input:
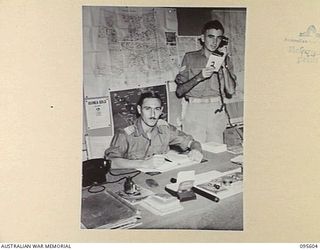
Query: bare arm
[(125, 163), (183, 80), (185, 85), (149, 163), (229, 78)]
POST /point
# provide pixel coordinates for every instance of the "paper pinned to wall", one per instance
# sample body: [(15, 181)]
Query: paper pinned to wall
[(171, 19), (98, 112)]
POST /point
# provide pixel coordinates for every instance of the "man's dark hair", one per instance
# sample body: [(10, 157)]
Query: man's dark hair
[(150, 94), (213, 24)]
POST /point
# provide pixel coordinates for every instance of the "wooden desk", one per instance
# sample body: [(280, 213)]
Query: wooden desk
[(201, 213)]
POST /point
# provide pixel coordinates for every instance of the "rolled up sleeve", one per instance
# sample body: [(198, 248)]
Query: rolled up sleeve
[(118, 146), (179, 138), (183, 75)]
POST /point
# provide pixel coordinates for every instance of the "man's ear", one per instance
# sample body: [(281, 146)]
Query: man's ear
[(139, 109), (202, 38)]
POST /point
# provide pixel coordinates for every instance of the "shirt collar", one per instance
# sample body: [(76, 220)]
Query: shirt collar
[(202, 51), (139, 130)]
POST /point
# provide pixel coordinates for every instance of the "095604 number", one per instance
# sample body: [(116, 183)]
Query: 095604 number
[(309, 245)]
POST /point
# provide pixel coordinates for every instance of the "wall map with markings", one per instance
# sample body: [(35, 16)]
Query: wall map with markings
[(124, 103)]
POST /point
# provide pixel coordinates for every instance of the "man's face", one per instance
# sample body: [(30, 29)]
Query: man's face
[(150, 111), (211, 39)]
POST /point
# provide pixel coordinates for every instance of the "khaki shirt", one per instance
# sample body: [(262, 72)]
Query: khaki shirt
[(190, 70), (132, 143)]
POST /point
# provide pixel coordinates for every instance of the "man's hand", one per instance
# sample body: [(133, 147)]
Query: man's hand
[(154, 161), (224, 50), (195, 155), (208, 71)]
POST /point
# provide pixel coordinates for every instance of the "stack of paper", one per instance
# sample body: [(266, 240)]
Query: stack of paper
[(236, 149), (214, 147), (161, 204), (108, 210), (237, 160)]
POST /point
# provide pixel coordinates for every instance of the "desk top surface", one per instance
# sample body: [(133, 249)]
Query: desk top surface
[(201, 213)]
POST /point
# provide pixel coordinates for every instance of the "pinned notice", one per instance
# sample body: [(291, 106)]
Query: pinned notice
[(98, 112)]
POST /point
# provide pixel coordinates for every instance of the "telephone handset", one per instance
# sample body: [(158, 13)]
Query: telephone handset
[(224, 42)]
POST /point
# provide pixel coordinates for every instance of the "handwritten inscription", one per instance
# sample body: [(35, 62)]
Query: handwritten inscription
[(305, 55), (306, 46)]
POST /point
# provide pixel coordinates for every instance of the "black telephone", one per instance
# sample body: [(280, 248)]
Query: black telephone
[(94, 171), (224, 42)]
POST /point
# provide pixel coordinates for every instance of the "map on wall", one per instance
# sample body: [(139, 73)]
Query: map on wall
[(124, 103), (126, 47), (130, 47)]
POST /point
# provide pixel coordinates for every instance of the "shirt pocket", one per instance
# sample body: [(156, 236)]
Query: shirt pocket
[(160, 144), (137, 149)]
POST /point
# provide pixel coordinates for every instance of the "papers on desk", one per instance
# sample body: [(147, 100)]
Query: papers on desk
[(107, 210), (235, 149), (215, 184), (219, 184), (214, 147), (237, 160), (161, 204), (176, 161)]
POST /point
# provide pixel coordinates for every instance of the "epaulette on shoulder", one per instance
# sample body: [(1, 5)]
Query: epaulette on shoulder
[(162, 122), (129, 130)]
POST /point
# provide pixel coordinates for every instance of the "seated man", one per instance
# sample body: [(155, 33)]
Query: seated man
[(142, 144)]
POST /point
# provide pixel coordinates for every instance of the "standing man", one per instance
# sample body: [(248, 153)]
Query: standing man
[(142, 144), (205, 87)]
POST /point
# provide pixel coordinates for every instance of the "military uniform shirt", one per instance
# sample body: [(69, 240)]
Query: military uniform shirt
[(132, 143), (191, 70)]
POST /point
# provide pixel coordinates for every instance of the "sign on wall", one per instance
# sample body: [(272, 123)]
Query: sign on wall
[(98, 112)]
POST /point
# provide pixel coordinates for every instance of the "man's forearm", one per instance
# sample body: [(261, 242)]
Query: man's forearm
[(230, 83), (126, 163), (185, 87)]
